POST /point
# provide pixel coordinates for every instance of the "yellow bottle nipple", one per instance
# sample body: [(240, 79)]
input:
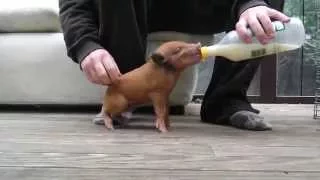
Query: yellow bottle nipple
[(204, 53)]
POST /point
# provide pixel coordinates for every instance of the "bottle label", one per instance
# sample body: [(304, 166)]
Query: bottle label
[(278, 26), (258, 52)]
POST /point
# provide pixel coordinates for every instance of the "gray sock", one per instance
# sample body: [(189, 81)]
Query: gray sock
[(249, 120), (98, 119)]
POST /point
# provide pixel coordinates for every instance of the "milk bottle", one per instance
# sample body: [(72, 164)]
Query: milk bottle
[(288, 36)]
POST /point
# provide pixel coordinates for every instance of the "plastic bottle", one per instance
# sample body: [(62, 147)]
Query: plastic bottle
[(288, 36)]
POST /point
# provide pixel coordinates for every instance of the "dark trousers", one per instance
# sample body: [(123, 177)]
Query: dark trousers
[(226, 93), (227, 90)]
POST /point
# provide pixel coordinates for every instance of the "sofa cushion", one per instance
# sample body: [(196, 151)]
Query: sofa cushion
[(29, 16)]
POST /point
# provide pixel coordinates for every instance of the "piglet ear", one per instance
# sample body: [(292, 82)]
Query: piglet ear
[(157, 58)]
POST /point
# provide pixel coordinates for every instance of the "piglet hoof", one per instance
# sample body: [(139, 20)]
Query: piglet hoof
[(163, 130), (108, 123), (111, 128), (161, 126), (168, 124)]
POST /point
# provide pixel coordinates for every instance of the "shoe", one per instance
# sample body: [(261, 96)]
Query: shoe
[(250, 121)]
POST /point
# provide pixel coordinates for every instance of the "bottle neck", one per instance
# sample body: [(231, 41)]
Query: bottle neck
[(208, 51)]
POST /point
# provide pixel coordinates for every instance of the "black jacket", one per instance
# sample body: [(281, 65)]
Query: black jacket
[(121, 27)]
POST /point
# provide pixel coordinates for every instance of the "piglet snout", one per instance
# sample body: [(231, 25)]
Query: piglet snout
[(194, 50)]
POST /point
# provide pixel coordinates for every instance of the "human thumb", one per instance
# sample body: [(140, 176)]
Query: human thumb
[(277, 15)]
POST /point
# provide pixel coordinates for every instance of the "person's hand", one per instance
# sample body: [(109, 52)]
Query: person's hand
[(100, 67), (259, 21)]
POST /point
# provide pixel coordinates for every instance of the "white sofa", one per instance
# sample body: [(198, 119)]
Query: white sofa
[(34, 67)]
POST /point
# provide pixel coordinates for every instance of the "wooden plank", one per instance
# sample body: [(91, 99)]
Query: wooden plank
[(58, 129), (101, 137), (215, 147), (66, 145), (161, 161), (70, 123), (83, 146), (138, 174)]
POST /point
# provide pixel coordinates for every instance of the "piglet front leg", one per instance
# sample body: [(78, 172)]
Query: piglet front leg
[(108, 121), (161, 107)]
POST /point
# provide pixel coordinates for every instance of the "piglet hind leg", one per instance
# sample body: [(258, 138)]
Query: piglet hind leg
[(160, 105), (113, 106)]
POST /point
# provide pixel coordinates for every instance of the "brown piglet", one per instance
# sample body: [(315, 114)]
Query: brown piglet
[(151, 83)]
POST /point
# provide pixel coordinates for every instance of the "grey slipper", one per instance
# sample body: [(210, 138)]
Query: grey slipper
[(98, 119), (249, 121)]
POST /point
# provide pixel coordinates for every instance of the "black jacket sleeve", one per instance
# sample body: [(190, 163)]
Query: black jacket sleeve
[(79, 23), (240, 6)]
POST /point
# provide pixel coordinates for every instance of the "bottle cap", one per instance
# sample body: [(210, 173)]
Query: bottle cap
[(204, 53)]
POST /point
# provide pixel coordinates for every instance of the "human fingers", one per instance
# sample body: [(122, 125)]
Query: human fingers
[(266, 24), (100, 74), (94, 69), (257, 29), (86, 66), (277, 15), (111, 68), (242, 30)]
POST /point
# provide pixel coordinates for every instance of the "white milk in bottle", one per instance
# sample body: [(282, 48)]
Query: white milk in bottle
[(288, 36)]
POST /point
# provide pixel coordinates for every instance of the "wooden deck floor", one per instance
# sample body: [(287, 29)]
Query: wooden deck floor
[(69, 147)]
